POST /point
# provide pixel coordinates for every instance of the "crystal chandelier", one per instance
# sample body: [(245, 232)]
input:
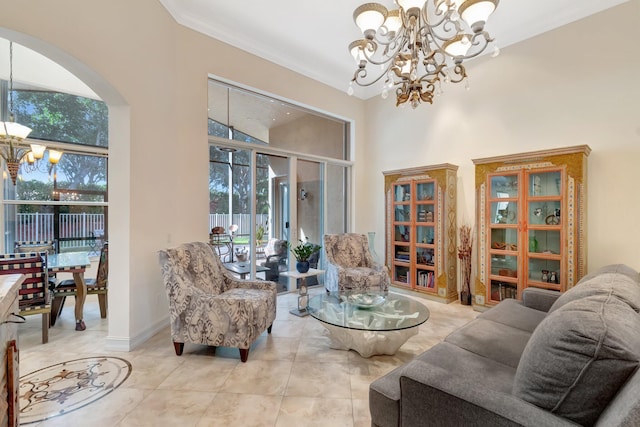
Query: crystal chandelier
[(13, 149), (419, 46)]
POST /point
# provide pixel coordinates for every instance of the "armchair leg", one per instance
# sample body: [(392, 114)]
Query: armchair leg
[(244, 354), (178, 347), (269, 328)]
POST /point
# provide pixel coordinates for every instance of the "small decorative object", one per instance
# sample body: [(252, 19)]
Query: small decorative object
[(303, 251), (553, 277), (545, 276), (464, 255), (365, 300), (533, 244)]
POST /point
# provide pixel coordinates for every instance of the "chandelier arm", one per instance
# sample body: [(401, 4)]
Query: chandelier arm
[(391, 48), (361, 74), (460, 71), (446, 16), (487, 39)]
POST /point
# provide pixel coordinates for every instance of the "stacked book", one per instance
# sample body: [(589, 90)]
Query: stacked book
[(426, 279)]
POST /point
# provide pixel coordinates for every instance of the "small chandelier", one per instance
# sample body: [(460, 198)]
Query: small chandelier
[(13, 149), (419, 45)]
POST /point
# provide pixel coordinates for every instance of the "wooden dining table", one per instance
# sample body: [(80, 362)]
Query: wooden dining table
[(75, 263)]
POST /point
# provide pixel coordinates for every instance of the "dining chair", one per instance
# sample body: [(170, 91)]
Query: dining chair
[(24, 246), (97, 286), (48, 246), (33, 295)]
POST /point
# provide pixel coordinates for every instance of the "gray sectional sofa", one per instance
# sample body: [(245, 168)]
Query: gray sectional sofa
[(549, 360)]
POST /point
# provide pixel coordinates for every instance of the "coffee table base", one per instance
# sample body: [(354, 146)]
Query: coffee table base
[(368, 343)]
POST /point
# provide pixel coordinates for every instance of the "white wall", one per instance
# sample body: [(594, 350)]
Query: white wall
[(575, 85), (153, 75)]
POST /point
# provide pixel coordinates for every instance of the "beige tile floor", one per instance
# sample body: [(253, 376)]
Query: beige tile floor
[(292, 377)]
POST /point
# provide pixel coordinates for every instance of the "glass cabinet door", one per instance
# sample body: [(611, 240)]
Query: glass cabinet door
[(401, 232), (544, 229), (425, 234), (504, 243)]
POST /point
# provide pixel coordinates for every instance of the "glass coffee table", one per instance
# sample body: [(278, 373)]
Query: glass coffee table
[(368, 322)]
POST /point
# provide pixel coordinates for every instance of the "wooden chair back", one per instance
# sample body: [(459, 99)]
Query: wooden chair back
[(34, 292)]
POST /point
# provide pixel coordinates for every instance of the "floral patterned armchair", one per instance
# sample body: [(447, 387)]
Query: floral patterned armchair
[(350, 265), (208, 305)]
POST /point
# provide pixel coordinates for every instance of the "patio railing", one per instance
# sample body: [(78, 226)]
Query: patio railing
[(85, 226), (243, 221)]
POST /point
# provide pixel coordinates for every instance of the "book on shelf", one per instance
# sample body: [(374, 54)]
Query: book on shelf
[(426, 279), (506, 291)]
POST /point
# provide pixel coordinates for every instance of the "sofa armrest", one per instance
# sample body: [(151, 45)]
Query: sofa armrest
[(429, 392), (539, 299)]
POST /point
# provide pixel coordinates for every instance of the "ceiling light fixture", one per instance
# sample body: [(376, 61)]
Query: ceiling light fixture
[(12, 135), (419, 45)]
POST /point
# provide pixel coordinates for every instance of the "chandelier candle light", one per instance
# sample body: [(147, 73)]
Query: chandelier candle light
[(13, 149), (419, 45)]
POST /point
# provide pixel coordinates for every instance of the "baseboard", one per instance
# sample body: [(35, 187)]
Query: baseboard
[(125, 344)]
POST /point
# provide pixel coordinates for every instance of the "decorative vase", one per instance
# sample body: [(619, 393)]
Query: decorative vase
[(372, 246), (302, 266), (465, 298)]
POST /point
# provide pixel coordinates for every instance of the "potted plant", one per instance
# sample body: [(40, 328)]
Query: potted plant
[(303, 251)]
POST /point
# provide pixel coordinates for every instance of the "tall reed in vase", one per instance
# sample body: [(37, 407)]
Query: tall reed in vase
[(464, 255)]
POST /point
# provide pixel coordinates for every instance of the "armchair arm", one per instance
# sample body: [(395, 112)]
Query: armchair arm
[(253, 284), (539, 299), (276, 258), (429, 392)]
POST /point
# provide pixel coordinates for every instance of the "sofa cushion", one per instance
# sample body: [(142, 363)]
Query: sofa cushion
[(490, 339), (384, 393), (617, 280), (579, 356), (513, 313)]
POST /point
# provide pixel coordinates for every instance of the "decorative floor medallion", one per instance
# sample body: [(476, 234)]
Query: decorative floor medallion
[(59, 389)]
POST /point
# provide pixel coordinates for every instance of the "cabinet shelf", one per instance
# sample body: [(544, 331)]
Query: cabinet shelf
[(421, 228)]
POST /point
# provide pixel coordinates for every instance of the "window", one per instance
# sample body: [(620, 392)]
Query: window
[(300, 161), (68, 201)]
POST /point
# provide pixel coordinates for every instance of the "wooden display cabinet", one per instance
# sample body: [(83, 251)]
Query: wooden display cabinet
[(530, 212), (421, 229)]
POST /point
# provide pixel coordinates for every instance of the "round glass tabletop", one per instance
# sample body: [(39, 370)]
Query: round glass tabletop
[(368, 311)]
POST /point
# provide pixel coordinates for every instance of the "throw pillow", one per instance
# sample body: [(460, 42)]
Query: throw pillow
[(578, 358), (610, 281)]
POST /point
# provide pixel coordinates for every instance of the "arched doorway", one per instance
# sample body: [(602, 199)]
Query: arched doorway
[(119, 141)]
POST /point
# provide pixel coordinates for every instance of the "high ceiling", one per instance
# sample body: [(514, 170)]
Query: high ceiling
[(312, 38)]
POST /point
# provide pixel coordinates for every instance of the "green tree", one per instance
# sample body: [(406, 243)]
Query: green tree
[(62, 117), (34, 190)]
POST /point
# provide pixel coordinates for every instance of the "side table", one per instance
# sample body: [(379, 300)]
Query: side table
[(303, 294)]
